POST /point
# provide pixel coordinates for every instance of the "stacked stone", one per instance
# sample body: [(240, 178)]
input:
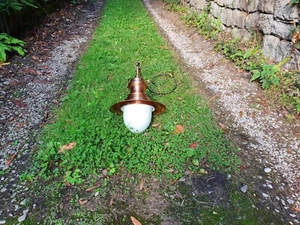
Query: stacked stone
[(276, 20)]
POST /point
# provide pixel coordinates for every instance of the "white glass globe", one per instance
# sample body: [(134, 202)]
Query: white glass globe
[(137, 117)]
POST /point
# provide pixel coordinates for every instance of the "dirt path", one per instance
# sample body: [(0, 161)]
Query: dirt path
[(267, 141), (29, 88)]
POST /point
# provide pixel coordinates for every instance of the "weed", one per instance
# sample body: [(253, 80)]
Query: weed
[(267, 76), (73, 177), (27, 176), (205, 24), (295, 1)]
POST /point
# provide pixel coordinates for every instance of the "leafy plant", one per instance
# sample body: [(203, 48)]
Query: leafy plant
[(9, 44), (73, 177), (206, 25), (267, 76), (16, 5), (295, 1)]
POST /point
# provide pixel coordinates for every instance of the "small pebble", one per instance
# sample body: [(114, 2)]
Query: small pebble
[(22, 218), (244, 188), (182, 179), (267, 170), (290, 201), (265, 195)]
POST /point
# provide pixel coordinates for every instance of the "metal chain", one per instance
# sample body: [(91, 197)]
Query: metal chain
[(154, 82)]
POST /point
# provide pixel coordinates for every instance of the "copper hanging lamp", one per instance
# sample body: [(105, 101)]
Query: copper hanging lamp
[(138, 107)]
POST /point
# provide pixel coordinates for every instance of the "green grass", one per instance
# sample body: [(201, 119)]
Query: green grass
[(126, 35)]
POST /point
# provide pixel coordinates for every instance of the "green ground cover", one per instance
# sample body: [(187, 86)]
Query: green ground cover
[(126, 34), (103, 150)]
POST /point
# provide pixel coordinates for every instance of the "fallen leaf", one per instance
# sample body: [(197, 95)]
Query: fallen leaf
[(202, 171), (179, 195), (222, 126), (82, 201), (142, 184), (193, 145), (111, 201), (135, 221), (179, 129), (297, 209), (92, 188), (163, 47), (35, 57), (4, 64), (104, 172), (10, 159), (66, 147), (19, 103), (241, 113), (157, 125), (195, 162)]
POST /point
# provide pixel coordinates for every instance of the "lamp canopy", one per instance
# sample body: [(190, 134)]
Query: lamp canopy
[(137, 95)]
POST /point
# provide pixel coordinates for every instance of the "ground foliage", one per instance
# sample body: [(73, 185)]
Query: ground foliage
[(102, 141)]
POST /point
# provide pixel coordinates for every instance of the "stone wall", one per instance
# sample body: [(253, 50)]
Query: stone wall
[(276, 20)]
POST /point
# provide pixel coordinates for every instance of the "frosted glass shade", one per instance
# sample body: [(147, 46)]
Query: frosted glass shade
[(137, 117)]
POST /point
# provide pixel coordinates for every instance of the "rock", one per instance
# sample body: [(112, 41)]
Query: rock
[(22, 218), (2, 221), (267, 6), (270, 186), (267, 170), (290, 201), (182, 179), (265, 195), (244, 188), (285, 10)]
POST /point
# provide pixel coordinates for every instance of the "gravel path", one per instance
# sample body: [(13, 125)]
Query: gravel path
[(26, 97), (264, 136)]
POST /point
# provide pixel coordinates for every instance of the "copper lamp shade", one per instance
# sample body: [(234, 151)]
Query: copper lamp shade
[(137, 87)]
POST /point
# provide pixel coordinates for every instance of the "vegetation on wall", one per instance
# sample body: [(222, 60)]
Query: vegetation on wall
[(282, 84), (295, 1)]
